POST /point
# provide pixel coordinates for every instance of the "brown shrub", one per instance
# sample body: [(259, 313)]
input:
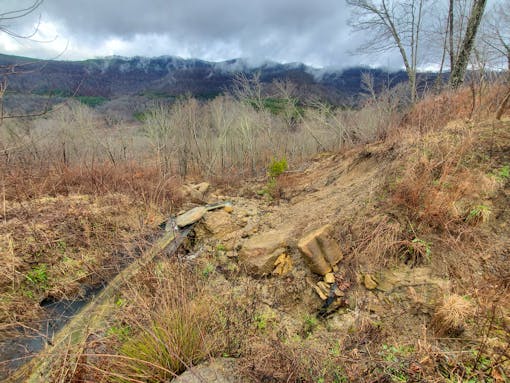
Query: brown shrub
[(145, 183), (438, 179), (433, 112)]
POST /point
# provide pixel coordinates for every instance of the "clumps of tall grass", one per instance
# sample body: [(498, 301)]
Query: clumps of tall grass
[(170, 327), (169, 320)]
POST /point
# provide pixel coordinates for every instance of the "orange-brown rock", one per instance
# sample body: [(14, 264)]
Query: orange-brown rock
[(260, 252), (320, 250)]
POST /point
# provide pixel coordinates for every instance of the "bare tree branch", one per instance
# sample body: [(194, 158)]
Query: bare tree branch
[(16, 15), (393, 24)]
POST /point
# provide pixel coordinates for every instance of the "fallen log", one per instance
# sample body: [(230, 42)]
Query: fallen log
[(94, 316)]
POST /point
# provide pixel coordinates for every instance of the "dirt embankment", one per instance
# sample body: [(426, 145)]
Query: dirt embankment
[(390, 261)]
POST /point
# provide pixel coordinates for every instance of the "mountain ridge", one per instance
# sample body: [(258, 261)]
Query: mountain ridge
[(171, 76)]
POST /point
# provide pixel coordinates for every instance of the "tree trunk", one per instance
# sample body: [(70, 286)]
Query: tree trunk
[(502, 106), (461, 62), (412, 85), (450, 35)]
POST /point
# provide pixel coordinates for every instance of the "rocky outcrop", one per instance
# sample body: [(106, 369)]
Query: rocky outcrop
[(260, 252), (320, 250)]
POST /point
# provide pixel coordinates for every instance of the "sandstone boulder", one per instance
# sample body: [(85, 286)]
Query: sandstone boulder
[(260, 252), (320, 250), (202, 187), (219, 223), (197, 193)]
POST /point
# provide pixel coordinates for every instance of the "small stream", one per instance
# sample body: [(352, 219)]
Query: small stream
[(21, 348), (16, 351)]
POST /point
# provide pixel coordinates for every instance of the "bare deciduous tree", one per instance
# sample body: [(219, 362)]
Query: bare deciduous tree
[(497, 34), (248, 89), (400, 25), (8, 18), (392, 24)]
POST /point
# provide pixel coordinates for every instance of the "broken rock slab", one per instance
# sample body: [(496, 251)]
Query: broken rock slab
[(260, 252), (196, 214), (320, 250), (282, 265), (191, 216), (329, 278), (216, 371), (220, 222)]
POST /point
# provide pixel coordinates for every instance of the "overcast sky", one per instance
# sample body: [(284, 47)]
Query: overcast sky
[(315, 32)]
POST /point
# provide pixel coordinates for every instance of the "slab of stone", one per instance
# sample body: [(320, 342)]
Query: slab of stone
[(320, 250), (220, 223), (216, 371), (260, 252), (191, 216)]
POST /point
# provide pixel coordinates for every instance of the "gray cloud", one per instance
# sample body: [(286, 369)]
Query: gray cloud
[(313, 32)]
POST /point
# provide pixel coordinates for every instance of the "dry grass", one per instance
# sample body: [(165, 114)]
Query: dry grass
[(434, 112), (450, 192), (54, 247), (451, 315), (144, 183), (379, 242), (443, 177), (104, 201), (169, 320)]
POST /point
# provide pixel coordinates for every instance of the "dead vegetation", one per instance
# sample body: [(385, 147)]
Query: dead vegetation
[(451, 315), (421, 208), (56, 247)]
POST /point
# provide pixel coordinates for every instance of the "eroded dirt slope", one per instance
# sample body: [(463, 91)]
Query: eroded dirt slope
[(423, 227)]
